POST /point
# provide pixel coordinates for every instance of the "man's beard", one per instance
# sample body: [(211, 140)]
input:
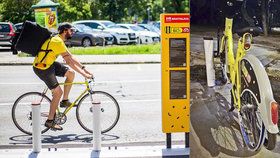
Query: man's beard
[(68, 36)]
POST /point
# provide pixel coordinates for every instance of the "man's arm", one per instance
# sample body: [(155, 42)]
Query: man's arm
[(69, 61), (77, 63)]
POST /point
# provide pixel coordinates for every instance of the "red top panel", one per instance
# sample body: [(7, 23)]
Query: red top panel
[(177, 18)]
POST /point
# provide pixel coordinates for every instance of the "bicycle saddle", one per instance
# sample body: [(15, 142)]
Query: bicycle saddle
[(254, 30)]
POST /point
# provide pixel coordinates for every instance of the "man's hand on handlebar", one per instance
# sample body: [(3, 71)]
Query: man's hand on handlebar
[(88, 76), (87, 72)]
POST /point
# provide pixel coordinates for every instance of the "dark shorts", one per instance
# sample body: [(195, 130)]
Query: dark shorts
[(49, 75)]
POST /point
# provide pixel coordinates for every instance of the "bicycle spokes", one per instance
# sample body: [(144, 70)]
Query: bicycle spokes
[(251, 124)]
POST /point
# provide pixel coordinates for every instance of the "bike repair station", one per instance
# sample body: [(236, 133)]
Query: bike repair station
[(175, 73)]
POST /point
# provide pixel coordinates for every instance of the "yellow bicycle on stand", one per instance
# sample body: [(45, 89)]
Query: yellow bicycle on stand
[(251, 92), (110, 110)]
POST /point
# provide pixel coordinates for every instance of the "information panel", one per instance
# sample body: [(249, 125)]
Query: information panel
[(175, 71), (177, 52), (178, 87)]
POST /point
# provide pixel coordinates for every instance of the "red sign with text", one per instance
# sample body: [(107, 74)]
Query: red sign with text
[(177, 18)]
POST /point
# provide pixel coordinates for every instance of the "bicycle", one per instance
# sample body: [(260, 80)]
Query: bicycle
[(251, 92), (110, 110)]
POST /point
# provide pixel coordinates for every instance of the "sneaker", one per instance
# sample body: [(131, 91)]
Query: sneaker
[(66, 103), (52, 125)]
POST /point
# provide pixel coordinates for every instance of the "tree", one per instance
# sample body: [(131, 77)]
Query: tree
[(264, 16), (17, 10), (71, 10), (176, 6)]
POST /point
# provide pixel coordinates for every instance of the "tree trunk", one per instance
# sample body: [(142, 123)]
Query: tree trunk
[(264, 17)]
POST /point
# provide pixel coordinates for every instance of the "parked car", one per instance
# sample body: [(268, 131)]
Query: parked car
[(150, 28), (84, 37), (18, 26), (109, 39), (7, 32), (121, 36), (157, 24), (142, 35)]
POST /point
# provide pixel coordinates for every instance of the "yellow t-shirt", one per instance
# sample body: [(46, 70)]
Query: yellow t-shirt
[(57, 46)]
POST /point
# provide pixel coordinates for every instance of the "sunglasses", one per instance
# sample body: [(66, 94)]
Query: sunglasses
[(72, 30)]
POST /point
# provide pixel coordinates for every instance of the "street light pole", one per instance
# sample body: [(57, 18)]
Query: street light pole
[(148, 10)]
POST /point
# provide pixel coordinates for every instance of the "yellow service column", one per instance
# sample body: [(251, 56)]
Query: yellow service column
[(175, 70)]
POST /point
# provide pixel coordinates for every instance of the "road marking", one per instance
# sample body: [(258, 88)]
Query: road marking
[(132, 101), (120, 81), (119, 101), (5, 104)]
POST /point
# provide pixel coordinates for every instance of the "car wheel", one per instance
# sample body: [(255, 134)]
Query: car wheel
[(86, 42)]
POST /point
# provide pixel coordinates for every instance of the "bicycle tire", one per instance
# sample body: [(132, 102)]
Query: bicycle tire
[(251, 125), (22, 111), (109, 109), (270, 141)]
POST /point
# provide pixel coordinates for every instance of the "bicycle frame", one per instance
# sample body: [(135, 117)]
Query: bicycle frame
[(86, 83), (233, 62)]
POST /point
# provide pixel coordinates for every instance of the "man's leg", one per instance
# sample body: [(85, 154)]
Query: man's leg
[(70, 75), (57, 93)]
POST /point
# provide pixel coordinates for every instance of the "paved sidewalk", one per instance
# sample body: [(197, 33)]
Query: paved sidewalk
[(132, 152)]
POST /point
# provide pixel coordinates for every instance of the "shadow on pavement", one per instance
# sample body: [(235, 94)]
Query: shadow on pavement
[(216, 128), (66, 138), (33, 155), (95, 154)]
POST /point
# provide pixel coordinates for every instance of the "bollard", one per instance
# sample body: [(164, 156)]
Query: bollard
[(36, 127), (210, 71), (96, 108)]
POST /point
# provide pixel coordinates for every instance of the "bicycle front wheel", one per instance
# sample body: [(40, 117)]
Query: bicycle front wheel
[(22, 111), (110, 111), (251, 125)]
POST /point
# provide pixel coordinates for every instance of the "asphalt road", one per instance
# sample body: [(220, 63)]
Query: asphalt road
[(136, 88)]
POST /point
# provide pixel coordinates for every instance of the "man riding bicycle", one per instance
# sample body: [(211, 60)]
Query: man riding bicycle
[(46, 68)]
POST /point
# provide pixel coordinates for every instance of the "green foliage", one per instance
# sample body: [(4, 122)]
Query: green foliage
[(71, 10), (127, 49), (115, 10), (176, 6), (16, 10)]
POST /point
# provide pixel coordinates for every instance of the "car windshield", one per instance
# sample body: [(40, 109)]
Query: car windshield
[(83, 28), (137, 28), (151, 28), (114, 26), (108, 23), (4, 28)]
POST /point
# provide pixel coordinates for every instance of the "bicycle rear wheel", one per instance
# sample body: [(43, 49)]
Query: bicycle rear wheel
[(22, 111), (251, 125), (110, 111)]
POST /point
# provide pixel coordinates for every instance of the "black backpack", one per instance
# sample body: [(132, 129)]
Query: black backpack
[(31, 38)]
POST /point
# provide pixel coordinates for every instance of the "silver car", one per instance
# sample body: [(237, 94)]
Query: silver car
[(109, 39), (84, 37), (121, 36)]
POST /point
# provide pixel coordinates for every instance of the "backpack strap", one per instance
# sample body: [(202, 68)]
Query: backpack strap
[(46, 53), (47, 50)]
